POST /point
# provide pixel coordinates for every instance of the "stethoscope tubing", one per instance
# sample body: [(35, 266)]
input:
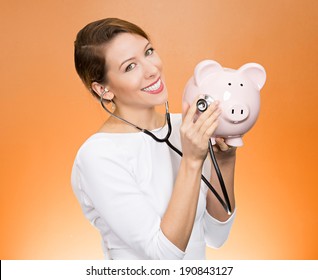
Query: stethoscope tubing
[(225, 204)]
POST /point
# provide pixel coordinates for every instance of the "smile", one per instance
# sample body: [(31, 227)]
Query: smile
[(154, 88)]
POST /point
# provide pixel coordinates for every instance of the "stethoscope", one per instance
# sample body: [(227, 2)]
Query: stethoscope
[(226, 204)]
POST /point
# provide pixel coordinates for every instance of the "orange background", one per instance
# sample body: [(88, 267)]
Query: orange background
[(46, 114)]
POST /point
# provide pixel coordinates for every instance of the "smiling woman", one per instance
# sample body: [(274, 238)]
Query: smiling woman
[(146, 200), (133, 68), (89, 48)]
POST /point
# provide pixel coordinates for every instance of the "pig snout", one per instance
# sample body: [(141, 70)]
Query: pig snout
[(237, 113)]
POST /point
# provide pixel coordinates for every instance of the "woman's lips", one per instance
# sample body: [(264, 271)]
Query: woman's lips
[(154, 88)]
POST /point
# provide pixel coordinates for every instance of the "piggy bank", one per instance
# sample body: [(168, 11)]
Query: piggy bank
[(238, 92)]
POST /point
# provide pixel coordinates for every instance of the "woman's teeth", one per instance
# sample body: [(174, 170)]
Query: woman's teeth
[(153, 87)]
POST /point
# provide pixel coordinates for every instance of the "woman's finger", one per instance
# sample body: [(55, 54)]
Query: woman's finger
[(212, 118), (222, 145), (190, 111), (185, 108), (206, 118), (211, 129)]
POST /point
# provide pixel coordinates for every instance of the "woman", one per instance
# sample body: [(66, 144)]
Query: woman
[(146, 200)]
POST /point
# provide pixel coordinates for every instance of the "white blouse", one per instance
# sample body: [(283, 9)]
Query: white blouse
[(124, 181)]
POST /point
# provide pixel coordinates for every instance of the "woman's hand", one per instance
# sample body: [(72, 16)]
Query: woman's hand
[(223, 151), (222, 148), (197, 130)]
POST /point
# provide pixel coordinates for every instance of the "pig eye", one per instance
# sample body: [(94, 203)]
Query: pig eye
[(241, 85), (229, 84)]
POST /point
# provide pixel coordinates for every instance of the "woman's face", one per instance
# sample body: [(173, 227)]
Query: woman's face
[(134, 72)]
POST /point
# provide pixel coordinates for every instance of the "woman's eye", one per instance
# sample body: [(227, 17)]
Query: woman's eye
[(149, 51), (130, 67)]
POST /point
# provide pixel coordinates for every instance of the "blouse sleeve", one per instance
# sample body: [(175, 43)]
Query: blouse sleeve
[(216, 232), (108, 183)]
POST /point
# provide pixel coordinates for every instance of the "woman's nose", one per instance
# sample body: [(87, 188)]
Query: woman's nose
[(151, 69)]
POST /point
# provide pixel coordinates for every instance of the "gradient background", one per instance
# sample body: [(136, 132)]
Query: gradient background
[(46, 113)]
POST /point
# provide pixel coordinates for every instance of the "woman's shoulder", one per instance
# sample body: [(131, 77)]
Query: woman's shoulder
[(105, 146)]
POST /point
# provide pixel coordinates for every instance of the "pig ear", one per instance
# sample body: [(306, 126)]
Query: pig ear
[(255, 72), (204, 69)]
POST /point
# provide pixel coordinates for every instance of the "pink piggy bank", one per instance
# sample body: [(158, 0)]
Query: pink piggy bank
[(238, 92)]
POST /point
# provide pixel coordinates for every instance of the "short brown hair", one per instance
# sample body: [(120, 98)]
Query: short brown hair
[(90, 62)]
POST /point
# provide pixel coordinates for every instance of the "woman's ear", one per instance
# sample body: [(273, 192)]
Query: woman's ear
[(102, 91)]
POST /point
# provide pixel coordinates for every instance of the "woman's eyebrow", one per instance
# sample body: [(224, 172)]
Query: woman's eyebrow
[(132, 58)]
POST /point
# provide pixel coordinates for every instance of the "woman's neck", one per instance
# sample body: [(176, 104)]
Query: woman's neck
[(144, 118)]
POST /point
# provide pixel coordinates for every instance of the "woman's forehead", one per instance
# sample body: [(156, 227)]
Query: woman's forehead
[(124, 46)]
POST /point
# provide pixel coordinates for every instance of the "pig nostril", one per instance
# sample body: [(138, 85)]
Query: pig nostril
[(229, 84), (241, 85), (237, 113)]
